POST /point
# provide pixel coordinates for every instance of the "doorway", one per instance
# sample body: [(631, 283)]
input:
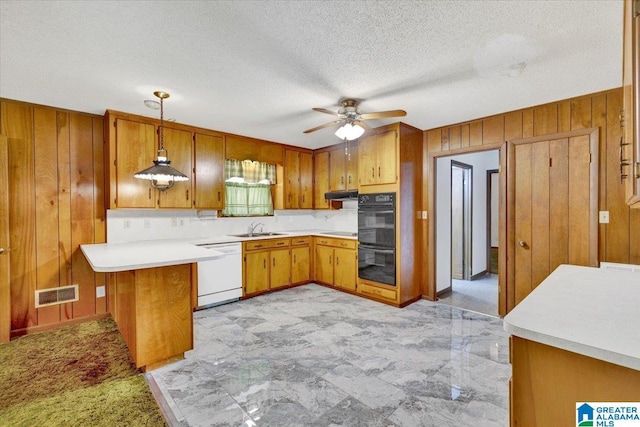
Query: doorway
[(461, 225)]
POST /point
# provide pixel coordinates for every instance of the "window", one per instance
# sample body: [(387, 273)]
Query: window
[(248, 188)]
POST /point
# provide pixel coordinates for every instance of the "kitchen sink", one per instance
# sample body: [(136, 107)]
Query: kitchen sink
[(257, 234)]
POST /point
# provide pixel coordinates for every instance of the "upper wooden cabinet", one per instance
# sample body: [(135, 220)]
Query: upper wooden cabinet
[(320, 179), (377, 159), (132, 149), (132, 146), (298, 177), (178, 144), (630, 145), (208, 181), (343, 167)]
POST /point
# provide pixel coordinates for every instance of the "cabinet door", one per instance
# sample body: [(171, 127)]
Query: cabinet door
[(209, 171), (256, 272), (320, 180), (300, 259), (135, 151), (337, 170), (178, 144), (352, 168), (291, 179), (345, 269), (386, 158), (630, 151), (367, 160), (324, 264), (306, 180), (280, 268)]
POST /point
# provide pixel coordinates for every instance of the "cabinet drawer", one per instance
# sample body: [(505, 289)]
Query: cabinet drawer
[(338, 243), (295, 241), (266, 244), (387, 294)]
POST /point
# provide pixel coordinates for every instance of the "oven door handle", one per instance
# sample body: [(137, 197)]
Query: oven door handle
[(377, 249), (390, 211)]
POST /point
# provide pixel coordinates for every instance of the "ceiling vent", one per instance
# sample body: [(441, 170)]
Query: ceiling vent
[(53, 296)]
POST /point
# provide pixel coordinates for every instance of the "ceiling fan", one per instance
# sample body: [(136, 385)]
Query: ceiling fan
[(352, 119)]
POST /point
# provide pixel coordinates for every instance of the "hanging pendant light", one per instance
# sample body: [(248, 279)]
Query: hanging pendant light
[(161, 175)]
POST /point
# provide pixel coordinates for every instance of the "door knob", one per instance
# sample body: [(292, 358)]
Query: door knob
[(522, 243), (1, 251)]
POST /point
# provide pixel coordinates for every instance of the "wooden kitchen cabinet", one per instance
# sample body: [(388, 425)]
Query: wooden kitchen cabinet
[(377, 159), (152, 307), (343, 167), (630, 144), (178, 144), (266, 265), (300, 260), (320, 180), (298, 176), (208, 181), (132, 149), (336, 262)]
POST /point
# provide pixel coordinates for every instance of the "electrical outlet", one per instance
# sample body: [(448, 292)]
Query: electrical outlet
[(127, 223), (100, 292), (174, 222), (147, 223), (604, 217), (181, 222), (424, 215)]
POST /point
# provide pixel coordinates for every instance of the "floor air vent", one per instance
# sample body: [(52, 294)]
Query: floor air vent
[(52, 296)]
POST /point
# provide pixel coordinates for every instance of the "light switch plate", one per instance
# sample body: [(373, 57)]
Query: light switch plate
[(604, 217), (424, 214)]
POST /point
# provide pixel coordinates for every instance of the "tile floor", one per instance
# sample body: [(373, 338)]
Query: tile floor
[(313, 356), (479, 295)]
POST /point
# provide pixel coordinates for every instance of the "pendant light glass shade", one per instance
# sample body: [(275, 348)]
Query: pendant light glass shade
[(350, 132), (161, 174)]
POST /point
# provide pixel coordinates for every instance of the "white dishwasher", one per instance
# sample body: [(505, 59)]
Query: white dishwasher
[(220, 280)]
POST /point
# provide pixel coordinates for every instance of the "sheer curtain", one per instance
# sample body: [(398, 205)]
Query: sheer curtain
[(248, 188)]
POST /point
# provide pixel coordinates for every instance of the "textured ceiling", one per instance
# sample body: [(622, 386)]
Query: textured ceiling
[(257, 68)]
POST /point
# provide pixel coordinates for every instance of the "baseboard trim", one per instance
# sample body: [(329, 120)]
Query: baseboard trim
[(40, 328), (444, 292), (479, 275)]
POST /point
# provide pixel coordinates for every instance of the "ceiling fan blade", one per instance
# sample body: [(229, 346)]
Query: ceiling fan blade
[(324, 110), (383, 114), (322, 126)]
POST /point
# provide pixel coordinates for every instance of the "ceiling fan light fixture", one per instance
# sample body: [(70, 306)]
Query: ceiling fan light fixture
[(350, 132), (161, 174)]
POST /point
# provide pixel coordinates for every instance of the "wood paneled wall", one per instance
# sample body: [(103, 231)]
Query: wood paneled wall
[(619, 241), (56, 203)]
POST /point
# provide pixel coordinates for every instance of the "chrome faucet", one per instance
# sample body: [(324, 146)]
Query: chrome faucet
[(253, 226)]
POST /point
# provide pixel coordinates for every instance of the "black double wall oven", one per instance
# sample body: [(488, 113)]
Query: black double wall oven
[(377, 237)]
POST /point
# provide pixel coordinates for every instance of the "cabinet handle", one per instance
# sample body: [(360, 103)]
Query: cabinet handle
[(187, 194), (294, 258), (218, 196), (373, 172), (349, 179), (289, 198), (622, 161), (329, 259), (149, 193), (274, 262), (257, 246), (378, 171), (264, 264), (337, 260), (303, 198), (342, 180)]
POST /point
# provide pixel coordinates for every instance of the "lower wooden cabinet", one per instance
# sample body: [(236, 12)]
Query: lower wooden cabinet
[(300, 260), (152, 308), (336, 262), (266, 265)]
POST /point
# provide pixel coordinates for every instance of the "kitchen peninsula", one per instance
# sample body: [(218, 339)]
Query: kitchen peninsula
[(575, 339), (149, 294)]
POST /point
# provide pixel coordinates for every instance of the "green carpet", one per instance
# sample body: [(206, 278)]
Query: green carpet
[(80, 375)]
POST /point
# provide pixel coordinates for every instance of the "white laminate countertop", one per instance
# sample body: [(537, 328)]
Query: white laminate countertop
[(590, 311), (123, 256)]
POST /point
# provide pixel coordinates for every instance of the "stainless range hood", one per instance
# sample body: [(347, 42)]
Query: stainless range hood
[(342, 195)]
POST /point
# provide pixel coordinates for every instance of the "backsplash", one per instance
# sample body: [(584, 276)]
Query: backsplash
[(125, 225)]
